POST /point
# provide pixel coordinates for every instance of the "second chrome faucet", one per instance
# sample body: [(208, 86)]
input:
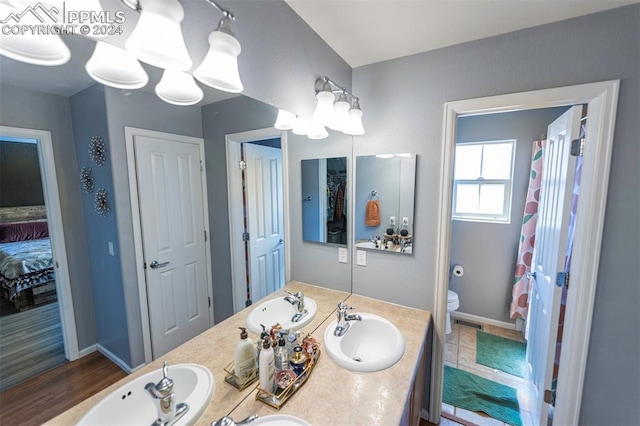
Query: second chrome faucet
[(343, 319)]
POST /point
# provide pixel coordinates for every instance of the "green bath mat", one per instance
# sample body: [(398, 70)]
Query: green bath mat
[(502, 354), (474, 393)]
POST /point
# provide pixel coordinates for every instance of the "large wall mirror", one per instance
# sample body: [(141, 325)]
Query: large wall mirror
[(324, 202), (384, 202)]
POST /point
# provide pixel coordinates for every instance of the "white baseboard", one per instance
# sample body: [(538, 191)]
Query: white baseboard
[(86, 351), (489, 321), (117, 361)]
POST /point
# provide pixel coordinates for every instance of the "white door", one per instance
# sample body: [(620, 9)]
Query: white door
[(549, 252), (266, 221), (173, 237)]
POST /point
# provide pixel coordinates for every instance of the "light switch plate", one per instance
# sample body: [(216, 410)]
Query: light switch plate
[(405, 221), (392, 220), (361, 258), (342, 254), (111, 249)]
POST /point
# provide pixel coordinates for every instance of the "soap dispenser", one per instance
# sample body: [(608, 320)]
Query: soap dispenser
[(266, 366), (281, 355), (245, 357)]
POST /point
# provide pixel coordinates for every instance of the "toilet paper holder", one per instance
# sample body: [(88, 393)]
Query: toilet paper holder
[(457, 270)]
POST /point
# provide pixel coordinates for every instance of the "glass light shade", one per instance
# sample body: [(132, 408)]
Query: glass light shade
[(115, 67), (301, 126), (32, 48), (324, 108), (317, 131), (340, 115), (219, 69), (285, 120), (157, 38), (354, 124), (178, 88)]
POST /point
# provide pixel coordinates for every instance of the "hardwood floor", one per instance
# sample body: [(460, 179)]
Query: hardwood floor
[(44, 397)]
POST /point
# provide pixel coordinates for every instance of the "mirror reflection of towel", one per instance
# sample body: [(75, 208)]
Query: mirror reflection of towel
[(372, 213)]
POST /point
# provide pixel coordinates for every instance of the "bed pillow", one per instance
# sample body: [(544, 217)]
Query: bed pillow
[(12, 232)]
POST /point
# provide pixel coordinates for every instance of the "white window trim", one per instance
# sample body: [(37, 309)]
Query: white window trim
[(508, 192)]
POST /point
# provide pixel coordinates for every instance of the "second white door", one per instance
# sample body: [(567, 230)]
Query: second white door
[(172, 213), (265, 213)]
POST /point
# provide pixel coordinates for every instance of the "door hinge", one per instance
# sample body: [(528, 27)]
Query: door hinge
[(577, 147), (243, 165), (549, 397), (201, 165), (57, 265), (562, 279), (144, 265), (209, 299), (205, 235), (245, 236)]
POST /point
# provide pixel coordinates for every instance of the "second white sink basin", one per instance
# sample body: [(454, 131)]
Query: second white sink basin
[(130, 404), (372, 344), (280, 311)]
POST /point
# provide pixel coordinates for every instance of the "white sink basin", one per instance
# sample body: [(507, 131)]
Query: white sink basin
[(366, 244), (280, 311), (130, 404), (372, 344), (279, 420), (406, 249)]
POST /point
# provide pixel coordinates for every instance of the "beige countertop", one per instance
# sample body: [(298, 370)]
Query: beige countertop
[(331, 395)]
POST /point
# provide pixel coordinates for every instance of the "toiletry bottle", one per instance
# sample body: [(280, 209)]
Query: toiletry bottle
[(298, 361), (281, 355), (245, 357), (267, 366), (264, 334)]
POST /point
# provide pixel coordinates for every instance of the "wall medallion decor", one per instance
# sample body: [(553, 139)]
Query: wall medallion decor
[(97, 150), (101, 204), (86, 178)]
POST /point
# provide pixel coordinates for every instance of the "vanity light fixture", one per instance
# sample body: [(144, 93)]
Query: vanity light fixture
[(340, 114), (344, 115), (115, 67), (157, 38), (301, 126), (219, 69), (285, 120), (354, 122), (324, 108), (37, 49), (317, 131), (178, 88)]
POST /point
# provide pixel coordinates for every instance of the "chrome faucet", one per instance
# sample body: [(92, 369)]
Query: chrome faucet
[(343, 319), (164, 399), (297, 300)]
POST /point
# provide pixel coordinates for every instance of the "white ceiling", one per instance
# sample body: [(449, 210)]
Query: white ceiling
[(363, 32)]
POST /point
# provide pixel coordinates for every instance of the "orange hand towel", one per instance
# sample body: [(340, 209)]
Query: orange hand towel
[(372, 213)]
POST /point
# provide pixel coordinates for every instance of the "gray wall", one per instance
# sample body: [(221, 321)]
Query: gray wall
[(485, 288), (402, 102), (90, 119), (219, 119), (316, 263), (20, 180), (42, 111)]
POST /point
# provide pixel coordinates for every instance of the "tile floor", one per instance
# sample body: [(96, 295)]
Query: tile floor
[(460, 352)]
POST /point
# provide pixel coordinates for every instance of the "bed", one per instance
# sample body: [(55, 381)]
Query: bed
[(27, 276)]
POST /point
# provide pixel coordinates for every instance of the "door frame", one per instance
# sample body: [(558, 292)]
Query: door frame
[(233, 142), (130, 133), (602, 98), (49, 179)]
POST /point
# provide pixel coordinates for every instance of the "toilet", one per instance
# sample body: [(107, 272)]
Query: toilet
[(453, 303)]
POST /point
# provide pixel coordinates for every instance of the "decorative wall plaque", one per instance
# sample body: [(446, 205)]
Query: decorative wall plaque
[(97, 151)]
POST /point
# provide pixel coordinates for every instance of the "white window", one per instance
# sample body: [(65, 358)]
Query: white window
[(482, 181)]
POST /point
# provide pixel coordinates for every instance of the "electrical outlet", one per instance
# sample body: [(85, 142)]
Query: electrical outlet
[(392, 220), (405, 221), (342, 255), (361, 258)]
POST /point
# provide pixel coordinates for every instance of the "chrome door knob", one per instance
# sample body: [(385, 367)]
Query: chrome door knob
[(155, 264)]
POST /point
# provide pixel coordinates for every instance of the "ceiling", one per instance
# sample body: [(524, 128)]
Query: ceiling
[(363, 32)]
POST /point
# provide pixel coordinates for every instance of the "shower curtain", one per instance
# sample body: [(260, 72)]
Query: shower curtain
[(520, 290)]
